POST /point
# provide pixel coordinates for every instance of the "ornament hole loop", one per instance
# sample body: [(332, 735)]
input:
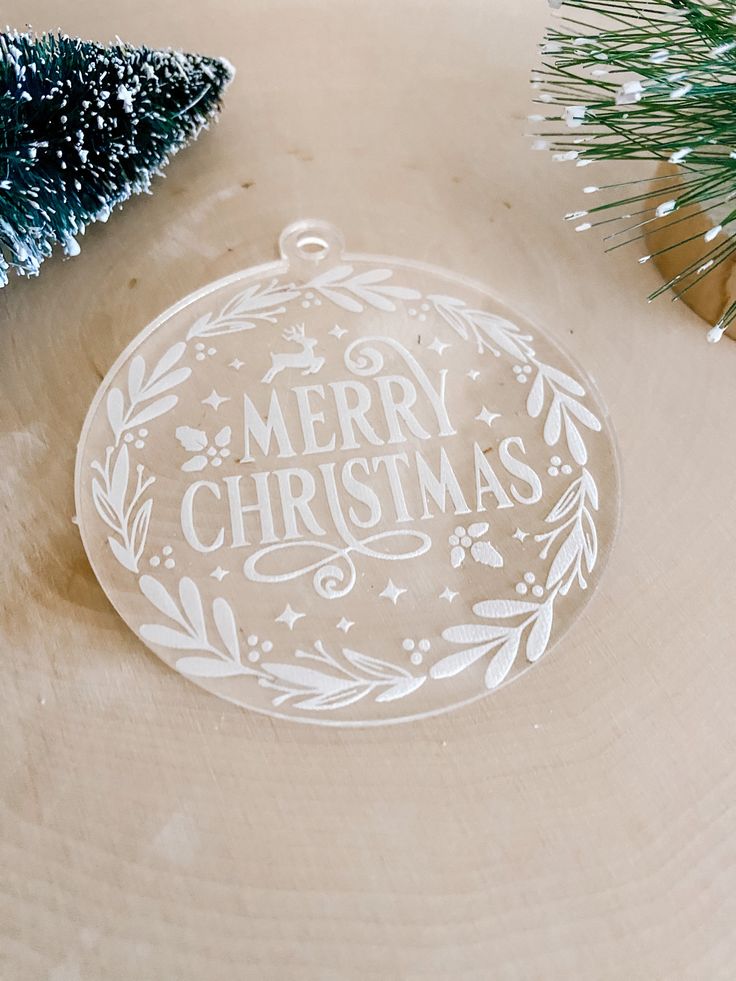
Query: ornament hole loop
[(312, 246), (310, 243)]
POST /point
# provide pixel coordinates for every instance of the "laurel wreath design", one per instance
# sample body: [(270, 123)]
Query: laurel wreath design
[(317, 680)]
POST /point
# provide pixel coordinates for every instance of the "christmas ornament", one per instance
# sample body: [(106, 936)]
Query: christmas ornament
[(650, 82), (84, 126), (346, 489)]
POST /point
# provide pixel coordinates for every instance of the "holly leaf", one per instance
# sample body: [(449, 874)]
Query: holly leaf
[(485, 554), (196, 463), (223, 437), (193, 440)]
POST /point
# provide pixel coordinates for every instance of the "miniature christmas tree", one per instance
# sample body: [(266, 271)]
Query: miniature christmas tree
[(82, 127)]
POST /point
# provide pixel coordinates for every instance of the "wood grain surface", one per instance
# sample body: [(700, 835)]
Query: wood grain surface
[(578, 824)]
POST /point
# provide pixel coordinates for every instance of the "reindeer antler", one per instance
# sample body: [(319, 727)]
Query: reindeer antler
[(292, 333)]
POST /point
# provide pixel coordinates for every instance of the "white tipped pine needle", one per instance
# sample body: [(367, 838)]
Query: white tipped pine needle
[(651, 81)]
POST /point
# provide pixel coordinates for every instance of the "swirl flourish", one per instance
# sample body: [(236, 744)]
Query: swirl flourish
[(335, 573)]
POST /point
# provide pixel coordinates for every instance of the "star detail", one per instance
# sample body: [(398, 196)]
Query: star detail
[(289, 617), (520, 535), (337, 331), (473, 374), (219, 573), (237, 364), (448, 594), (345, 625), (392, 592), (438, 345), (487, 417), (214, 400)]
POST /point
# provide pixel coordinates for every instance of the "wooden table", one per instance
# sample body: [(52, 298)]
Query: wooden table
[(576, 825)]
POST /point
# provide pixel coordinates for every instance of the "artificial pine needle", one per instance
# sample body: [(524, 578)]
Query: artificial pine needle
[(647, 81)]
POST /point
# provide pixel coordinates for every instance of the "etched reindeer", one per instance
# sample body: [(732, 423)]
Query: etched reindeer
[(305, 358)]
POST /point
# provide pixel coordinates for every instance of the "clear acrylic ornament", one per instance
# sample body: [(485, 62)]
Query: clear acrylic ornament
[(346, 489)]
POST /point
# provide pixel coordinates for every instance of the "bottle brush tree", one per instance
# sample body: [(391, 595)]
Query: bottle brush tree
[(82, 127)]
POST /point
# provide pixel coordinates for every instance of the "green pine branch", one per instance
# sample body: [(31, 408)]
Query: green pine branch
[(655, 80)]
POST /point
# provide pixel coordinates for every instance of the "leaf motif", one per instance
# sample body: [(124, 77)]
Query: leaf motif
[(167, 381), (373, 298), (250, 299), (331, 276), (139, 530), (372, 276), (157, 594), (568, 552), (102, 504), (553, 422), (208, 667), (119, 480), (199, 327), (218, 328), (536, 642), (485, 554), (192, 440), (157, 633), (402, 688), (535, 399), (152, 411), (167, 361), (503, 608), (196, 463), (440, 299), (589, 488), (457, 556), (224, 618), (583, 415), (590, 540), (399, 292), (308, 678), (453, 664), (191, 604), (502, 661), (333, 700), (493, 322), (478, 528), (341, 300), (123, 555), (564, 381), (115, 410), (473, 633), (574, 441), (136, 371), (223, 437), (450, 311), (567, 503), (373, 667), (498, 329)]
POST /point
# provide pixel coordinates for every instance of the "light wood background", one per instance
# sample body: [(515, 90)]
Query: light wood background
[(578, 824)]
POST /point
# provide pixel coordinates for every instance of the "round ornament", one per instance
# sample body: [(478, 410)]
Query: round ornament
[(346, 489)]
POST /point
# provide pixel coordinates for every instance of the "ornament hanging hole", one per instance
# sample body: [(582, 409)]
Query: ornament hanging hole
[(309, 243), (312, 246)]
